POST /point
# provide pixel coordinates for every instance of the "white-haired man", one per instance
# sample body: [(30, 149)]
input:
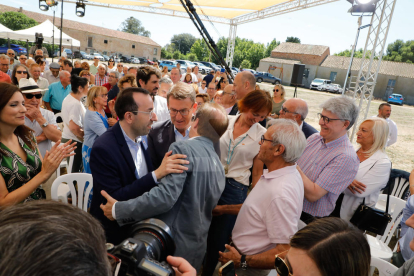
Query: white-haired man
[(271, 212), (57, 92), (12, 55), (101, 78), (297, 109), (329, 163)]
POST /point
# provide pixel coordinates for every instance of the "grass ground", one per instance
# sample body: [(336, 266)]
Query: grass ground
[(401, 153)]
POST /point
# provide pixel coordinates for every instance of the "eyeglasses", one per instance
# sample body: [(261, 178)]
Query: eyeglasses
[(285, 110), (23, 58), (262, 139), (4, 64), (275, 90), (211, 88), (120, 66), (183, 112), (111, 61), (111, 76), (281, 267), (231, 94), (326, 120), (10, 54), (103, 95), (30, 96), (21, 72), (136, 112)]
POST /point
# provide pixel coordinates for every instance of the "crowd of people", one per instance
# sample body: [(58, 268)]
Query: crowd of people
[(231, 169)]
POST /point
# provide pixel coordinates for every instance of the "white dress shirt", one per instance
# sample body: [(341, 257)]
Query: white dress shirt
[(161, 108)]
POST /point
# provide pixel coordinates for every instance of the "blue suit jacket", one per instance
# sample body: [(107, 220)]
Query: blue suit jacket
[(113, 170), (308, 130)]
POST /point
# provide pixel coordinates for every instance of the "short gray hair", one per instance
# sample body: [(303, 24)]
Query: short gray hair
[(302, 110), (11, 51), (166, 80), (102, 65), (182, 91), (3, 56), (288, 133), (116, 74), (343, 107), (62, 73)]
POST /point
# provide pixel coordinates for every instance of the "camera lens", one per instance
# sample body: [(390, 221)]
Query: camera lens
[(157, 237)]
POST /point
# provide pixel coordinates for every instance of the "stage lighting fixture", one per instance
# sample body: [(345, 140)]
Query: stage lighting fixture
[(43, 6), (80, 9), (362, 7)]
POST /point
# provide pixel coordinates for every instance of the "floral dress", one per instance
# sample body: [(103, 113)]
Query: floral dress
[(16, 172)]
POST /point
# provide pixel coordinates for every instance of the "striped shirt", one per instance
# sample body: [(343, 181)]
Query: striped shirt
[(332, 166), (99, 81)]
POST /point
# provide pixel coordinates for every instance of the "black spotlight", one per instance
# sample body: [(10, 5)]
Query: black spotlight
[(43, 6), (80, 8), (363, 7)]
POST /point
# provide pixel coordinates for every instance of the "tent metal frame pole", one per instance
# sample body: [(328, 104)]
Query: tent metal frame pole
[(61, 29), (231, 44), (371, 59)]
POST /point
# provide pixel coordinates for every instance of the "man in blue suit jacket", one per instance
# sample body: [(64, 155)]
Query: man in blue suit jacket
[(119, 161), (297, 110)]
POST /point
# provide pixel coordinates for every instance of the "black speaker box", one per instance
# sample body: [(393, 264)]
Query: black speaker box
[(297, 75)]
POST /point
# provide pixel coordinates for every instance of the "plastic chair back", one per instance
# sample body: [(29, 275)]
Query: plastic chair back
[(384, 268), (399, 183), (395, 207), (79, 199)]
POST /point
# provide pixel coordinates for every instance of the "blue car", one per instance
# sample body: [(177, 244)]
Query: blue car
[(19, 50), (396, 98), (169, 63)]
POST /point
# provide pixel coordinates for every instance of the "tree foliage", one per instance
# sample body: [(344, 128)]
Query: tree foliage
[(400, 51), (271, 46), (182, 42), (293, 39), (16, 21), (134, 26), (246, 64)]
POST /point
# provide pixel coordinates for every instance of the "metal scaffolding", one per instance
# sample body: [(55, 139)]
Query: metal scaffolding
[(231, 45), (371, 59)]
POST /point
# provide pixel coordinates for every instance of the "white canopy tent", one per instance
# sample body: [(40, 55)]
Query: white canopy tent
[(46, 29)]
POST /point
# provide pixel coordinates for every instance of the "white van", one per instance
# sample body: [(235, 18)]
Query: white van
[(319, 84)]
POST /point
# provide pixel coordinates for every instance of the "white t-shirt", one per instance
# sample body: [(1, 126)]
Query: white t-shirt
[(193, 76), (201, 90), (247, 148), (161, 108), (271, 212), (72, 109)]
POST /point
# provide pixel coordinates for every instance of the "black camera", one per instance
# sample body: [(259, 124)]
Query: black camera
[(39, 40), (146, 251)]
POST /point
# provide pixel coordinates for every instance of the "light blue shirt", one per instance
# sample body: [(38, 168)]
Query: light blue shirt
[(180, 137), (56, 94), (93, 127)]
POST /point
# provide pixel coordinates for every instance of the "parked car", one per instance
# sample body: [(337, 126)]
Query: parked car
[(250, 70), (169, 63), (150, 62), (186, 63), (235, 69), (19, 50), (267, 77), (212, 65), (116, 59), (126, 59), (396, 98), (334, 88), (202, 68), (135, 60), (101, 58), (319, 84), (106, 58), (81, 55)]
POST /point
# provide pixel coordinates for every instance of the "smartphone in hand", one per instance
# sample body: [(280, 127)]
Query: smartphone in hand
[(228, 269)]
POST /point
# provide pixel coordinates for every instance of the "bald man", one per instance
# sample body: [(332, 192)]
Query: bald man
[(244, 82), (297, 110), (57, 92)]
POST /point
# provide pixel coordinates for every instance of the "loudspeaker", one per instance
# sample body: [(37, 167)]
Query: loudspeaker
[(297, 75)]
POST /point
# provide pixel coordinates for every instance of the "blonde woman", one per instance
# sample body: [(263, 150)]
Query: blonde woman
[(278, 100), (85, 66), (165, 72), (374, 168)]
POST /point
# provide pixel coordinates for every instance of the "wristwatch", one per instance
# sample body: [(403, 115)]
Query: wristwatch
[(45, 124), (243, 262)]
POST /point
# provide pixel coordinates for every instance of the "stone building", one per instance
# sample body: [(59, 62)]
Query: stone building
[(393, 77), (98, 39)]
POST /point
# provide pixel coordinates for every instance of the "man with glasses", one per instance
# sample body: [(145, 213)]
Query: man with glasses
[(11, 54), (184, 201), (211, 90), (52, 75), (203, 88), (120, 162), (182, 107), (57, 92), (22, 60), (329, 163), (120, 68), (228, 98), (297, 110), (269, 216), (148, 78), (112, 87), (4, 68), (93, 68), (35, 74)]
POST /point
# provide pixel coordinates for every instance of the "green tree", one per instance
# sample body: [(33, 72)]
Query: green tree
[(176, 55), (134, 26), (200, 49), (271, 46), (183, 42), (400, 51), (293, 39), (191, 57), (16, 21), (245, 64)]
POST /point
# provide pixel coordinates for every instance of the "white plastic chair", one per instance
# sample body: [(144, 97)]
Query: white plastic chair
[(379, 244), (79, 199), (384, 268), (64, 164), (58, 115)]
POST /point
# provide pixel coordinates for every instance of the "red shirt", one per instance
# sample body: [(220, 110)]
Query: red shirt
[(4, 77), (109, 87)]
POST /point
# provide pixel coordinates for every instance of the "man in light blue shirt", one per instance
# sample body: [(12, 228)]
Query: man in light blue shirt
[(57, 92)]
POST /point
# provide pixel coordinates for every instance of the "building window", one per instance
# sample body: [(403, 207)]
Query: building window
[(332, 77), (105, 41), (155, 51), (90, 42), (133, 46)]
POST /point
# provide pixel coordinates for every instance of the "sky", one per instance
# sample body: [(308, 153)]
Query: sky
[(329, 25)]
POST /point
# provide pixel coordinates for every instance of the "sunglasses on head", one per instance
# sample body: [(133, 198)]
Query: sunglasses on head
[(281, 267), (21, 72), (30, 96)]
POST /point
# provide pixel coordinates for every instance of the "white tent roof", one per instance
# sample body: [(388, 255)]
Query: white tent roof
[(46, 28), (4, 29)]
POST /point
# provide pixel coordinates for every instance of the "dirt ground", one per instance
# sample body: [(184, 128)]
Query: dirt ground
[(401, 153)]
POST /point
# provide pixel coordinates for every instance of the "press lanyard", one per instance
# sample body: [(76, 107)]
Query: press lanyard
[(230, 154)]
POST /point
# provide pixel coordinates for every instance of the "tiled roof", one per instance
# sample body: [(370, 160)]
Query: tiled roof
[(278, 60), (297, 48), (391, 68), (70, 24)]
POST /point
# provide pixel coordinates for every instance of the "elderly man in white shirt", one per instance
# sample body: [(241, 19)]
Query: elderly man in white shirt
[(271, 212), (384, 111), (35, 74)]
